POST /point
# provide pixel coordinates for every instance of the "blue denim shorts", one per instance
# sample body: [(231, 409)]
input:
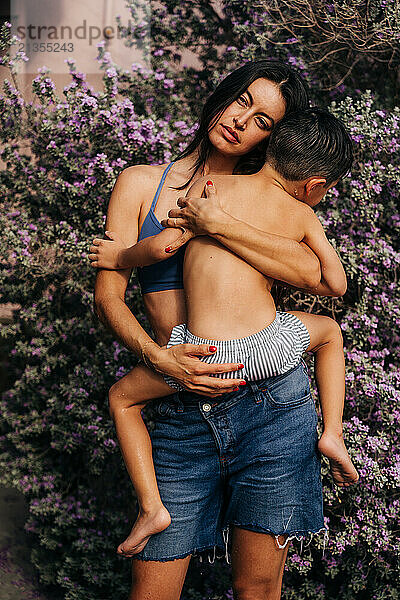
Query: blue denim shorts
[(248, 458)]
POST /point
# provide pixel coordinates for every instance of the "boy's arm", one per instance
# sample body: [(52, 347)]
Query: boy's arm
[(150, 250), (333, 277), (115, 254)]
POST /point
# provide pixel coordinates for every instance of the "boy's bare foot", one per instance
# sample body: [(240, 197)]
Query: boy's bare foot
[(147, 524), (343, 471)]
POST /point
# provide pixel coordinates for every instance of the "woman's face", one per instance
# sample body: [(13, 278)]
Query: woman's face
[(248, 120)]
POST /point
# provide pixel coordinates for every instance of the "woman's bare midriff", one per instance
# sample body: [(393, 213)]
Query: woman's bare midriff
[(164, 310)]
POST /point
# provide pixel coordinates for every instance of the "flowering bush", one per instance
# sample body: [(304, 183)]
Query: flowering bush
[(57, 444)]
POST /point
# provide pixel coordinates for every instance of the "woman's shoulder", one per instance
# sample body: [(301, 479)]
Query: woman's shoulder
[(133, 188), (146, 174)]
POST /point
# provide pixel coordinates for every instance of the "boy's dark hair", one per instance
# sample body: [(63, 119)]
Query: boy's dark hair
[(310, 143)]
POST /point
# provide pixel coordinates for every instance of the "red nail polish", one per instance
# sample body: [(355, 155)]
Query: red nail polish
[(213, 348), (236, 389), (210, 183), (242, 383), (240, 366), (168, 249)]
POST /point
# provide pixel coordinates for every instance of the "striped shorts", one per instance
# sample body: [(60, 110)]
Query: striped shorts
[(271, 351)]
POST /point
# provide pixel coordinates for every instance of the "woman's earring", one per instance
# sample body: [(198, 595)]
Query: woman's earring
[(295, 193)]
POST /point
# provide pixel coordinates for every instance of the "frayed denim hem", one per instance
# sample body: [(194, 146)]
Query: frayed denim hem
[(298, 535), (196, 552), (210, 552)]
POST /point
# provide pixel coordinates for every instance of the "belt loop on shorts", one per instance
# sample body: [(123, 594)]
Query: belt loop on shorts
[(256, 394), (179, 403)]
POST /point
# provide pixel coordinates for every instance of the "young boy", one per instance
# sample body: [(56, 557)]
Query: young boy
[(228, 302)]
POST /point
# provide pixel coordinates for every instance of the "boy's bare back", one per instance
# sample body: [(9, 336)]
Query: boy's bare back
[(226, 297)]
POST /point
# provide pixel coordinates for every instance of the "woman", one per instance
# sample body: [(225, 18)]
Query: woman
[(236, 122)]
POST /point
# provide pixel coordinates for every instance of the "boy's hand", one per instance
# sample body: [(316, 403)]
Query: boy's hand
[(106, 254), (181, 241)]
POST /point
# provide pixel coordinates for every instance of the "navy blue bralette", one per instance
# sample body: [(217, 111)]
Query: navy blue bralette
[(166, 274)]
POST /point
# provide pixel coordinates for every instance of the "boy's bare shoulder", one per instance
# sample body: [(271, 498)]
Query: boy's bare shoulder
[(288, 202), (304, 216), (308, 214), (251, 187)]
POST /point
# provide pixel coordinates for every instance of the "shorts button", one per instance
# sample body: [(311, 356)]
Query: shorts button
[(206, 407)]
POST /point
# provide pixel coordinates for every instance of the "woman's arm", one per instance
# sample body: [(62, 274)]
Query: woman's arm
[(180, 361), (286, 260), (110, 287), (312, 269), (273, 255)]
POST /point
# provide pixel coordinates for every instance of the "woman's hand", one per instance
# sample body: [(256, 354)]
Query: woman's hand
[(107, 254), (196, 215), (183, 364)]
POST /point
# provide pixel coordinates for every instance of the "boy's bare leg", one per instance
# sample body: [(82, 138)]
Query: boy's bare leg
[(127, 397), (257, 565), (327, 345)]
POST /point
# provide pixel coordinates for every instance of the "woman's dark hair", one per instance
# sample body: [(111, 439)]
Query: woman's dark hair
[(291, 86), (310, 143)]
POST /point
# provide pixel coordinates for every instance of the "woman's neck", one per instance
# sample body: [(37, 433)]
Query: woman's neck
[(220, 163)]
